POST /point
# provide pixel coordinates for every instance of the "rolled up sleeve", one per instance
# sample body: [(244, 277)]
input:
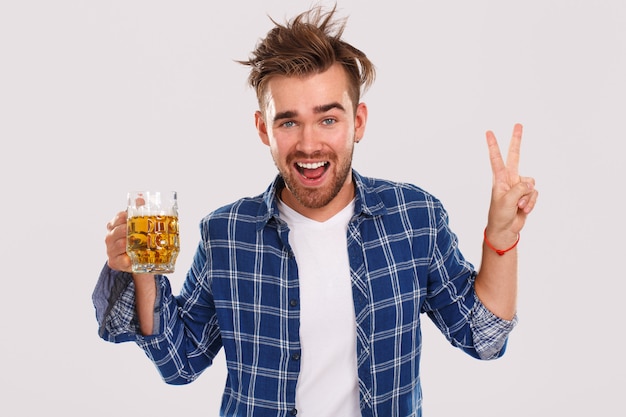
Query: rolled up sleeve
[(490, 332), (114, 302)]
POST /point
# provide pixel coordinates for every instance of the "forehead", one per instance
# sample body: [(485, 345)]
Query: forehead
[(306, 92)]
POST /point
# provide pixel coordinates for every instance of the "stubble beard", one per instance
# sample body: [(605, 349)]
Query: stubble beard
[(318, 197)]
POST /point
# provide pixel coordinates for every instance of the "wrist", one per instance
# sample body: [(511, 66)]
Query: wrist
[(501, 244)]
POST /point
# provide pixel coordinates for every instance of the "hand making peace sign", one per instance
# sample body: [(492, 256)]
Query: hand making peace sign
[(513, 197)]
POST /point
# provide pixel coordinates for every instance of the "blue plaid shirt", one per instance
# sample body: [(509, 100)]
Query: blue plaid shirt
[(242, 294)]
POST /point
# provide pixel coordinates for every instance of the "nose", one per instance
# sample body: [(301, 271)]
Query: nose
[(309, 140)]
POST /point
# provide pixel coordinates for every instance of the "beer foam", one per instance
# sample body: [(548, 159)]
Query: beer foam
[(140, 211), (152, 203)]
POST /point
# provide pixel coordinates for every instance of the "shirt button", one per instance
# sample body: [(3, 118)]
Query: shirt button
[(293, 302), (295, 356), (293, 412)]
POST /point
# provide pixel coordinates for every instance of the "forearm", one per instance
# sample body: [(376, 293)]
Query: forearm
[(145, 298), (496, 282), (513, 197)]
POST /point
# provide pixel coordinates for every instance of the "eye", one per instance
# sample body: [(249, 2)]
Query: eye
[(328, 121), (289, 123)]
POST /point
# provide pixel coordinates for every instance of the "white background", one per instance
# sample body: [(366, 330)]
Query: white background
[(97, 98)]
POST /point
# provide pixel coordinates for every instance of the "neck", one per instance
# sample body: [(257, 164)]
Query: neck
[(320, 214)]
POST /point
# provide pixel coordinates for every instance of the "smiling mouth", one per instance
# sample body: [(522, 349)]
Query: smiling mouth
[(312, 170)]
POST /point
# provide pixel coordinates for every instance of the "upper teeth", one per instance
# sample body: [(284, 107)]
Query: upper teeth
[(311, 165)]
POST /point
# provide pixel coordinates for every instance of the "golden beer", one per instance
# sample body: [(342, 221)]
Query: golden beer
[(153, 243)]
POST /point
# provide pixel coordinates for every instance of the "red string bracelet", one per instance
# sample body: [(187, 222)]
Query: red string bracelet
[(499, 251)]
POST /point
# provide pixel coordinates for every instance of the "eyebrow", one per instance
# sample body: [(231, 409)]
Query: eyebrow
[(317, 110)]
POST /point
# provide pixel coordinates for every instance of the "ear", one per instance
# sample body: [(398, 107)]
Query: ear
[(261, 127), (360, 120)]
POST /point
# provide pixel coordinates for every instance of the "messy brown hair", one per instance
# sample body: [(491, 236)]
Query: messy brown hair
[(308, 44)]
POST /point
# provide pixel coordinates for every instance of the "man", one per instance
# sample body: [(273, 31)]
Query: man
[(314, 289)]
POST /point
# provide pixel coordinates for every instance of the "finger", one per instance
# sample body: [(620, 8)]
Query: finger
[(116, 246), (517, 194), (530, 200), (528, 180), (513, 156), (119, 219), (118, 259), (120, 263), (527, 195), (495, 157), (115, 241)]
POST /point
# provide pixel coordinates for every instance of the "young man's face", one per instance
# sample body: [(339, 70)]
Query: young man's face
[(311, 127)]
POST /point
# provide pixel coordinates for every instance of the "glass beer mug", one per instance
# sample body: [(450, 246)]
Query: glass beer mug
[(152, 239)]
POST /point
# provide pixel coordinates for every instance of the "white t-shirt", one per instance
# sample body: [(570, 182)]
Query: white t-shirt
[(328, 381)]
